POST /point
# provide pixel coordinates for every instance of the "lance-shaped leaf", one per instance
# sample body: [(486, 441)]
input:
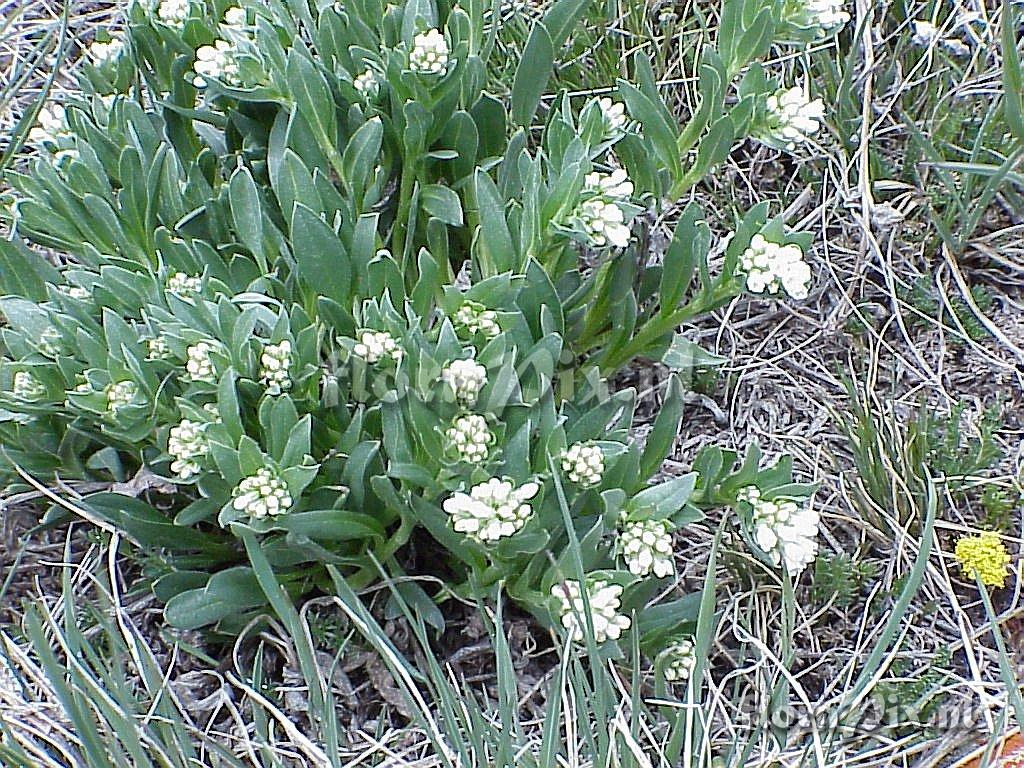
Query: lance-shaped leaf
[(321, 258)]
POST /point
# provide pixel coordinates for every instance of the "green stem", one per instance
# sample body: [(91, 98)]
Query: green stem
[(657, 327), (398, 231)]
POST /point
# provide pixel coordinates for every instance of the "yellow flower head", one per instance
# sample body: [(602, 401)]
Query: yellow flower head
[(986, 555)]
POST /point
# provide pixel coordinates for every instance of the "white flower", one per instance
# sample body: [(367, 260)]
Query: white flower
[(679, 660), (198, 364), (583, 464), (646, 546), (925, 33), (473, 317), (76, 292), (615, 118), (50, 342), (51, 125), (157, 348), (466, 378), (374, 346), (105, 53), (183, 284), (770, 266), (786, 532), (614, 186), (261, 495), (120, 394), (604, 599), (429, 53), (216, 62), (275, 362), (491, 510), (235, 17), (187, 444), (826, 15), (27, 387), (604, 223), (367, 82), (792, 118), (173, 13), (470, 437)]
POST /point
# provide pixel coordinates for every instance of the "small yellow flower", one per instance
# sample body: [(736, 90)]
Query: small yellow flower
[(986, 555)]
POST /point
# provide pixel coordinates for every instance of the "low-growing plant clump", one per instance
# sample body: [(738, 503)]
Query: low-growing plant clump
[(328, 281)]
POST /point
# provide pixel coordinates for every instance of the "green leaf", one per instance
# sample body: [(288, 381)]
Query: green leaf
[(562, 17), (293, 183), (361, 156), (685, 355), (1013, 80), (146, 526), (652, 118), (227, 593), (663, 499), (688, 248), (442, 203), (665, 429), (494, 241), (24, 272), (532, 75), (333, 525), (247, 213), (313, 100), (320, 256)]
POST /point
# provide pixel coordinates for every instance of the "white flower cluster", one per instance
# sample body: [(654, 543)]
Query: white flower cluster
[(615, 118), (473, 317), (604, 223), (825, 15), (50, 342), (157, 349), (374, 346), (604, 599), (646, 546), (466, 378), (492, 509), (583, 464), (187, 444), (679, 658), (274, 364), (27, 387), (262, 495), (470, 437), (429, 53), (614, 186), (184, 284), (217, 62), (103, 53), (235, 17), (770, 266), (120, 394), (174, 13), (51, 125), (792, 117), (199, 365), (367, 82), (786, 532)]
